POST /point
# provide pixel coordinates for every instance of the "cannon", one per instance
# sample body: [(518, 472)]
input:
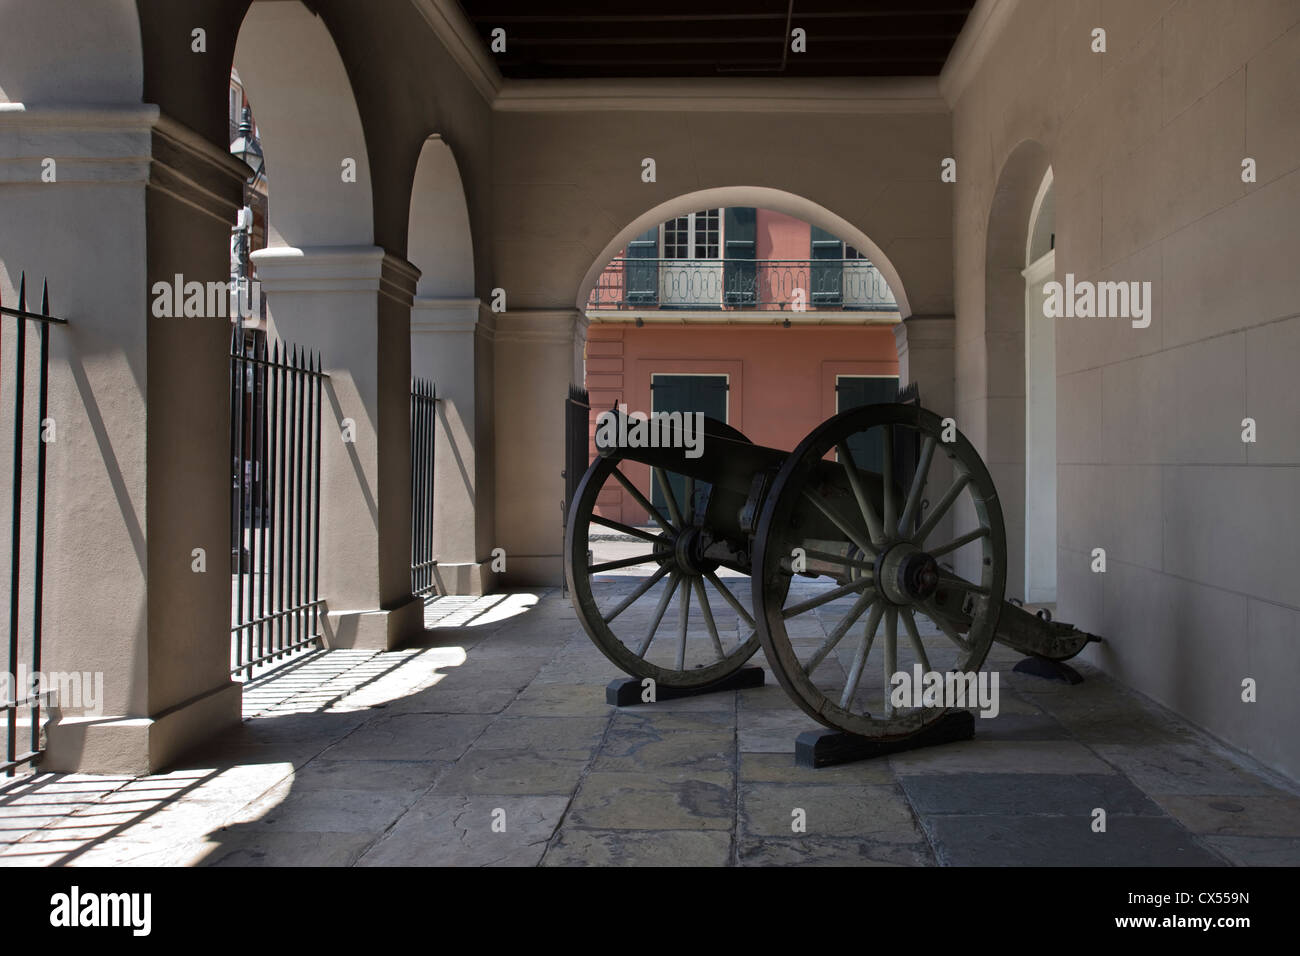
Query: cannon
[(810, 554)]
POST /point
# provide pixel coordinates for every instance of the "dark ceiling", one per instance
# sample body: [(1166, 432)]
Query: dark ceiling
[(662, 38)]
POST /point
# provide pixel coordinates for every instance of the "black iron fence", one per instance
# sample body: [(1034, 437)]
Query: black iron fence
[(20, 693), (424, 407), (749, 284), (577, 455), (275, 444)]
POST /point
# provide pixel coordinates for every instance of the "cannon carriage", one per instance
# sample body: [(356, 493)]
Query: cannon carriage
[(740, 534)]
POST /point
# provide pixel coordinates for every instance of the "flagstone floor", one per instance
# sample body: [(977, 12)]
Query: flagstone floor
[(491, 744)]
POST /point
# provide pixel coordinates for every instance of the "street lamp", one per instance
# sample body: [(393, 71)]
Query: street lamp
[(247, 150), (246, 147)]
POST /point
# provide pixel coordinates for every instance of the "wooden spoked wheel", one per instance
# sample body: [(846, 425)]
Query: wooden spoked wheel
[(678, 621), (836, 649)]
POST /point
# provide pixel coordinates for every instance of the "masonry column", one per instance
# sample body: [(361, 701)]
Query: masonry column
[(538, 354), (925, 356), (452, 344), (352, 304), (137, 578)]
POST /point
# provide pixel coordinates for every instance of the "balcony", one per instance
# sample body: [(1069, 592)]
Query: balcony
[(741, 285)]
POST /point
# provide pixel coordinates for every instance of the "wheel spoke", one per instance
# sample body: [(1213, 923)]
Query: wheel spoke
[(797, 609), (855, 482), (659, 613), (621, 563), (887, 481), (956, 543), (641, 500), (918, 485), (839, 559), (860, 659), (938, 511), (909, 625), (632, 598), (891, 656), (683, 625), (848, 532), (690, 500), (702, 596), (666, 489), (730, 598), (864, 601), (625, 528)]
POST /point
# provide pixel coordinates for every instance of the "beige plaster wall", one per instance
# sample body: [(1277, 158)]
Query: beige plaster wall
[(1146, 142)]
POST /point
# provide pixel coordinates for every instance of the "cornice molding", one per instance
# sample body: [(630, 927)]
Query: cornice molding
[(430, 314), (983, 27), (457, 34), (556, 326), (927, 331), (336, 269)]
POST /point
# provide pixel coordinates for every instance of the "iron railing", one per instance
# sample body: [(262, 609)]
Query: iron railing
[(275, 436), (633, 284), (424, 409), (24, 656), (577, 455)]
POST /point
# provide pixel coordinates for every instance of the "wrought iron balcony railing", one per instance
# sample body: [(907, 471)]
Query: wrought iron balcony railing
[(635, 284)]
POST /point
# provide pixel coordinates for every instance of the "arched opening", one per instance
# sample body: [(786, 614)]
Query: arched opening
[(339, 306), (754, 197), (453, 518), (766, 312), (1040, 402), (439, 243), (310, 127), (1020, 223)]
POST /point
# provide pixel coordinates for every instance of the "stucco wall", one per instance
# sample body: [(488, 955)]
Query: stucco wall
[(1146, 142), (781, 382)]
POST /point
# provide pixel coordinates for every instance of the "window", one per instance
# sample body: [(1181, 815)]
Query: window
[(697, 235)]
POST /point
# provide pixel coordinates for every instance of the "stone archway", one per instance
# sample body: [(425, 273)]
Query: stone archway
[(451, 348), (330, 289), (999, 406), (762, 197), (1040, 402)]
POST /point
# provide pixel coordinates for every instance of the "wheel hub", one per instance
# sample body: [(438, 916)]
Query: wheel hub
[(906, 575), (688, 552)]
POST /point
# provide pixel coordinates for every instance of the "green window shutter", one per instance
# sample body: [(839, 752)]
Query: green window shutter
[(740, 271), (826, 270), (641, 279)]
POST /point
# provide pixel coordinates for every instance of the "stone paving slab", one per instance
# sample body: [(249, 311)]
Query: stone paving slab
[(409, 757), (573, 846), (1007, 756), (874, 812), (513, 772), (644, 801), (482, 830), (1271, 815), (1026, 794), (794, 851), (995, 840), (1255, 851)]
